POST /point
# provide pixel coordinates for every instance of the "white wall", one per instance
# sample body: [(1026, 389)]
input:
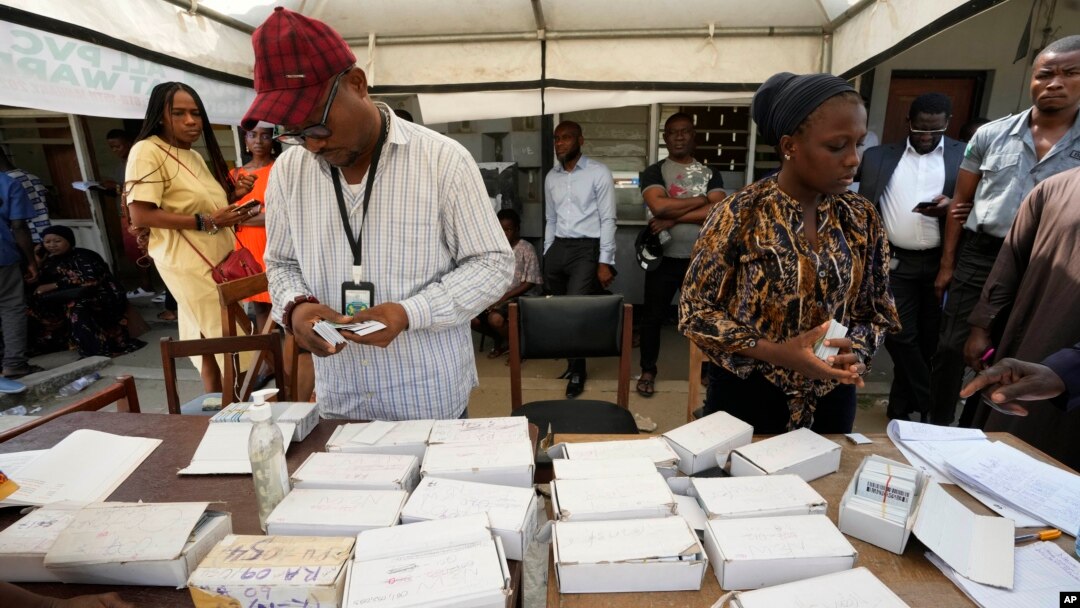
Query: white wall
[(985, 42)]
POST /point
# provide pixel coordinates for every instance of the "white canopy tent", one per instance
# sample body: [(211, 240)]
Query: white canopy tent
[(464, 59)]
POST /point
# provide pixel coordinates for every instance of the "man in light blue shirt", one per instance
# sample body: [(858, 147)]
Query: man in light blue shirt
[(579, 238)]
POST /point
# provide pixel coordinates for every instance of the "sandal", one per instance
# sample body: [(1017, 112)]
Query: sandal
[(497, 351), (167, 315), (646, 387)]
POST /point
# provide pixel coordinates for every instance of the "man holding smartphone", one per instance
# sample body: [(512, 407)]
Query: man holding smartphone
[(911, 183)]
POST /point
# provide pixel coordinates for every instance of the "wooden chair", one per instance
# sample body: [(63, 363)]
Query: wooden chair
[(267, 343), (231, 296), (569, 327), (693, 391), (122, 393)]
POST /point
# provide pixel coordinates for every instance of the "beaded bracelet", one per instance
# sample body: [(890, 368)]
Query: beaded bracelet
[(211, 225)]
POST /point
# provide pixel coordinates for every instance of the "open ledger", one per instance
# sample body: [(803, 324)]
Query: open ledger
[(1043, 571), (85, 466)]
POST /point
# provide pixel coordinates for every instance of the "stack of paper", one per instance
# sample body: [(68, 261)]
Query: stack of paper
[(345, 471), (511, 511), (771, 496), (281, 570), (631, 555), (380, 437), (480, 430), (1042, 573), (335, 512), (655, 449), (450, 563), (1040, 490), (509, 464), (303, 414), (224, 449), (331, 332), (835, 330), (849, 588), (612, 498), (86, 466)]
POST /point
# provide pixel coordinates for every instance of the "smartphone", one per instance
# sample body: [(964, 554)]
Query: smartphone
[(925, 205), (252, 204)]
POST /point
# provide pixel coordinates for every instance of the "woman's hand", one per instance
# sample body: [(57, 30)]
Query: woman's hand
[(233, 215), (244, 183), (46, 288), (797, 354)]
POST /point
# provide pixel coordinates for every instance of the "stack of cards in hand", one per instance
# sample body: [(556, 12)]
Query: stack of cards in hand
[(885, 490), (836, 330), (331, 331)]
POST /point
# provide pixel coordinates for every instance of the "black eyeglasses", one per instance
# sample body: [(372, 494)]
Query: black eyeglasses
[(319, 131)]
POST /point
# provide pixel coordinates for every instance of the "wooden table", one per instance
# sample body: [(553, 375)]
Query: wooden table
[(155, 480), (911, 576)]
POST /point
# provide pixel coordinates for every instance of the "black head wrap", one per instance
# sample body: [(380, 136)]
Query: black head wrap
[(785, 100), (61, 231)]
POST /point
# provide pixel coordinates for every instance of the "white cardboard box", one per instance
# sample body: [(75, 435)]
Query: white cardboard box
[(506, 429), (800, 452), (979, 547), (508, 464), (301, 413), (335, 512), (631, 555), (511, 511), (767, 496), (634, 466), (23, 544), (706, 442), (291, 570), (850, 588), (136, 543), (612, 498), (402, 437), (448, 563), (347, 471), (765, 551), (654, 448)]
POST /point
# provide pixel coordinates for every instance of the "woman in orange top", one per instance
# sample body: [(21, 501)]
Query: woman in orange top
[(259, 142)]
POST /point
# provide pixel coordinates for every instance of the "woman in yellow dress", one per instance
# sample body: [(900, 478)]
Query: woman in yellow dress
[(186, 206)]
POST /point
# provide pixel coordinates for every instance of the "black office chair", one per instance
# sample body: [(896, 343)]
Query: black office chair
[(570, 327)]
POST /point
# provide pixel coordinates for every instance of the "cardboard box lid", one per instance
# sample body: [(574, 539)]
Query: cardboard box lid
[(746, 496), (477, 456), (422, 536), (435, 498), (777, 452), (708, 432), (339, 507), (323, 559), (403, 432), (506, 429), (348, 467), (224, 449), (36, 531), (654, 448), (789, 536), (633, 466), (280, 411), (101, 533), (855, 587), (592, 542), (613, 495)]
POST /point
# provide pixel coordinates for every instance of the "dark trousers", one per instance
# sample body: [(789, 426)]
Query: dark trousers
[(661, 285), (13, 317), (973, 264), (912, 283), (763, 405), (570, 270)]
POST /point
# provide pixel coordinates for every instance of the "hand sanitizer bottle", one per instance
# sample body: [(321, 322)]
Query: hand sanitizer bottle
[(267, 453)]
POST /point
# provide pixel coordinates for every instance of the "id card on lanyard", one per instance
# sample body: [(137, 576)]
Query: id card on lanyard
[(358, 294)]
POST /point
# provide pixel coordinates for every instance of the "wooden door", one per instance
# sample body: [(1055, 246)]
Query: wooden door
[(964, 88), (63, 169)]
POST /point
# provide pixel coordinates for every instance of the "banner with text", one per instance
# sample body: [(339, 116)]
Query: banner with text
[(46, 71)]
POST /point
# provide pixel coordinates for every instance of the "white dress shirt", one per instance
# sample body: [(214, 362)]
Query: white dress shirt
[(431, 243), (918, 178)]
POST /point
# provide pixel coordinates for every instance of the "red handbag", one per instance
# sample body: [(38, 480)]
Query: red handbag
[(238, 264)]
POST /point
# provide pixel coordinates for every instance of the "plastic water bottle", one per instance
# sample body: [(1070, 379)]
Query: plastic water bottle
[(266, 449), (18, 410), (78, 385)]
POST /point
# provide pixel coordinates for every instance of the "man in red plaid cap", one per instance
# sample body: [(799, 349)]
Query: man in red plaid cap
[(370, 217)]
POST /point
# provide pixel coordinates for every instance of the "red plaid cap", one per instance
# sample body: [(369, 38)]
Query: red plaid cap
[(294, 57)]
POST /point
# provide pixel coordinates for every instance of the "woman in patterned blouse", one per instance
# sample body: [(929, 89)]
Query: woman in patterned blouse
[(778, 260)]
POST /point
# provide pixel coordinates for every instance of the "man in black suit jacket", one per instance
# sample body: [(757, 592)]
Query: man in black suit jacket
[(911, 184)]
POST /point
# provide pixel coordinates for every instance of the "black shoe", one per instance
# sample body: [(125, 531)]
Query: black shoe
[(575, 386)]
